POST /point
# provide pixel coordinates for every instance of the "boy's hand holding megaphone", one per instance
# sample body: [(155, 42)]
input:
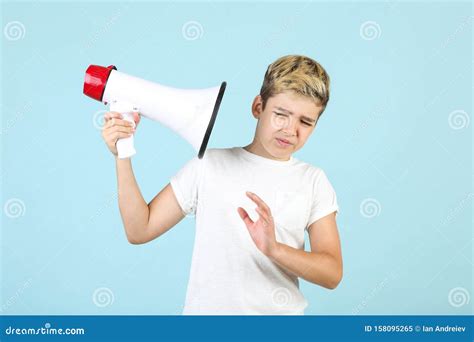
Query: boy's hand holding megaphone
[(115, 128)]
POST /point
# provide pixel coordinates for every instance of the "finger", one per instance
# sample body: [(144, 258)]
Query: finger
[(123, 129), (125, 123), (114, 136), (118, 135), (111, 123), (136, 117), (245, 216), (259, 202), (110, 115), (119, 122), (262, 214), (107, 124)]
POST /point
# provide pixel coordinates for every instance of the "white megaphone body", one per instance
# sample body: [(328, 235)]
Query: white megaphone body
[(189, 112)]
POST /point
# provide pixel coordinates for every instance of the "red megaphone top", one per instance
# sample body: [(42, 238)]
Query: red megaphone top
[(96, 79)]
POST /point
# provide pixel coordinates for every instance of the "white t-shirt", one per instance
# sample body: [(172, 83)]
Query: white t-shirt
[(229, 275)]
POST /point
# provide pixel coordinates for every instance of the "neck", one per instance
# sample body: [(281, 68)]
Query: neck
[(257, 148)]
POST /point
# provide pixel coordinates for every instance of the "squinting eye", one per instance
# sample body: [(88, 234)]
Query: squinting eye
[(306, 123)]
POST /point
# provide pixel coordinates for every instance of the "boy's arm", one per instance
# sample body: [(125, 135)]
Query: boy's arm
[(165, 213), (323, 265), (144, 222)]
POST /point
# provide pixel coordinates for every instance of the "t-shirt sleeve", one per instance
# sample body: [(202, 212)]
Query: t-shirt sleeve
[(185, 185), (324, 199)]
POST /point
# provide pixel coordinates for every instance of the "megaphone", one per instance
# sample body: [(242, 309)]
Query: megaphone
[(189, 112)]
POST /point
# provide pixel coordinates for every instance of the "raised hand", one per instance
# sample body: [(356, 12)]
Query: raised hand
[(262, 230)]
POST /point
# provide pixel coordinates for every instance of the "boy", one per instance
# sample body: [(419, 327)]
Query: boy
[(243, 264)]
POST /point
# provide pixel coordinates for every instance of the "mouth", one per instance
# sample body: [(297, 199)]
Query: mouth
[(283, 142)]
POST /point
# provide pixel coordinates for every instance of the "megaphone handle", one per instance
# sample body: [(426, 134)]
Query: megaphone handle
[(125, 146)]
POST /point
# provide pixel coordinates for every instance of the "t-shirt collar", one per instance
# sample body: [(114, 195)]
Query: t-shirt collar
[(263, 160)]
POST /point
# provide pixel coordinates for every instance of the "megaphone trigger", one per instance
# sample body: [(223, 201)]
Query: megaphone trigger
[(136, 116)]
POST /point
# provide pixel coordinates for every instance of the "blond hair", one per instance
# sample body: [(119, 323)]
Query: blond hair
[(299, 74)]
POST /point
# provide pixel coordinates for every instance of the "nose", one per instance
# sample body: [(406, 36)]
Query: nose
[(290, 127)]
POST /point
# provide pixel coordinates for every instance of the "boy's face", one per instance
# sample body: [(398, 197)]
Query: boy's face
[(287, 116)]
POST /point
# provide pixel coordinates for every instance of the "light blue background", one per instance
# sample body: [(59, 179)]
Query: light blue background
[(386, 135)]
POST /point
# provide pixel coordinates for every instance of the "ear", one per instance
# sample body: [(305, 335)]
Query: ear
[(257, 106)]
